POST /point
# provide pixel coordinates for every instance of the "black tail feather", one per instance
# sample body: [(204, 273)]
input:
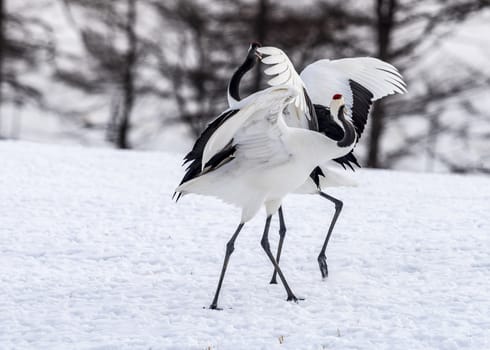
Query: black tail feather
[(347, 160)]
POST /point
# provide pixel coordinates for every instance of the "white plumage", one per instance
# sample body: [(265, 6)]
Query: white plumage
[(324, 78), (284, 74), (320, 81), (271, 159)]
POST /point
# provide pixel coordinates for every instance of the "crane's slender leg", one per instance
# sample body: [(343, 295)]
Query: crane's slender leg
[(282, 234), (230, 247), (265, 244), (322, 259)]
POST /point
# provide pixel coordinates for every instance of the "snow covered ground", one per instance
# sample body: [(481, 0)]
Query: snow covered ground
[(95, 255)]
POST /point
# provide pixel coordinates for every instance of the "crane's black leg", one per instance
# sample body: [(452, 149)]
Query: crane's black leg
[(230, 247), (322, 259), (282, 234), (265, 244)]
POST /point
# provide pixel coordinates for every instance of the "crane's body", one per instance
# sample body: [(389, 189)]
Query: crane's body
[(277, 141), (269, 160), (361, 81), (250, 157)]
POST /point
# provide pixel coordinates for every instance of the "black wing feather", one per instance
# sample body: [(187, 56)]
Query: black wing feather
[(361, 105), (347, 160), (313, 123), (195, 155)]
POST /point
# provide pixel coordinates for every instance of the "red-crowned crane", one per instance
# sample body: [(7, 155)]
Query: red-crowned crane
[(361, 81), (249, 157)]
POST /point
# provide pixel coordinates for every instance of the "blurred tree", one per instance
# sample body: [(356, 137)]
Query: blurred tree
[(184, 52), (111, 45), (26, 44), (205, 43), (122, 125), (2, 45), (262, 26), (428, 23), (402, 32)]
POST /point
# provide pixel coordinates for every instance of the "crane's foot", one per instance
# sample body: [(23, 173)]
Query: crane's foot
[(215, 307), (273, 279), (293, 298), (322, 262)]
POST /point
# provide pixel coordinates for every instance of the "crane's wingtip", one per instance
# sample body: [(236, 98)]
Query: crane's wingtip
[(178, 194)]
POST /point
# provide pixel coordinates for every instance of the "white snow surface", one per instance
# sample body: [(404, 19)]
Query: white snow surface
[(94, 254)]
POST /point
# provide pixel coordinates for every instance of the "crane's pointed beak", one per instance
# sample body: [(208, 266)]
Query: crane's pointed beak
[(258, 55)]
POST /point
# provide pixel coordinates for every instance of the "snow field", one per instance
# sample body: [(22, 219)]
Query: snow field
[(95, 255)]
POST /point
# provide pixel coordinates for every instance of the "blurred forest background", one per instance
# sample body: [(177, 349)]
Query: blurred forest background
[(149, 74)]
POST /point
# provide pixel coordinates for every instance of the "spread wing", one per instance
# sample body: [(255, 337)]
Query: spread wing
[(361, 80), (259, 142), (194, 157), (284, 73), (254, 132), (255, 110)]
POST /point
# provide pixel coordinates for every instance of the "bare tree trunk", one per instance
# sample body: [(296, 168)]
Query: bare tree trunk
[(124, 126), (385, 12), (261, 36), (431, 150), (2, 54), (377, 128)]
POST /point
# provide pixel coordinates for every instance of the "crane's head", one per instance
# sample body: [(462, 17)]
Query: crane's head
[(252, 51), (337, 105), (337, 100), (339, 115)]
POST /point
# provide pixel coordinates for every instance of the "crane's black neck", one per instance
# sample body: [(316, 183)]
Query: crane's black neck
[(234, 86), (349, 131)]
